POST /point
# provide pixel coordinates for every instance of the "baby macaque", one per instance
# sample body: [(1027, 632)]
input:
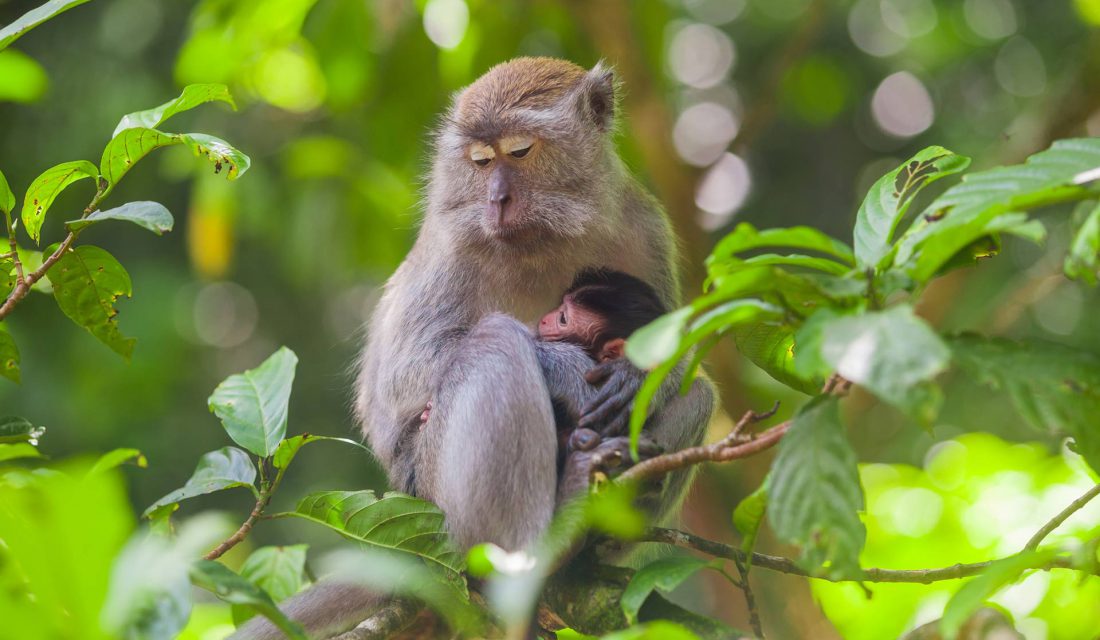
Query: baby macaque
[(598, 313)]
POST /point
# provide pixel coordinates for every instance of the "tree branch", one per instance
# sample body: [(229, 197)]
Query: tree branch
[(786, 565), (1062, 516), (390, 619)]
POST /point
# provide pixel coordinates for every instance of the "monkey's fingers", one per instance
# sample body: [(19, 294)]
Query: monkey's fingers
[(606, 407), (599, 374)]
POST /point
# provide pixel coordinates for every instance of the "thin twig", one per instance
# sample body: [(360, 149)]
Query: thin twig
[(786, 565), (750, 599), (14, 249), (246, 527), (1057, 520)]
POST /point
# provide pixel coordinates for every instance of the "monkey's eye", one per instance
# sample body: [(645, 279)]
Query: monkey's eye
[(481, 154), (517, 146)]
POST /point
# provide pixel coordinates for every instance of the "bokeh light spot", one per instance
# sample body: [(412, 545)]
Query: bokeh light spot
[(21, 78), (702, 133), (445, 22), (908, 18), (1089, 10), (700, 56), (722, 190), (990, 19), (869, 32), (901, 105), (225, 314), (1019, 68), (290, 79), (715, 11)]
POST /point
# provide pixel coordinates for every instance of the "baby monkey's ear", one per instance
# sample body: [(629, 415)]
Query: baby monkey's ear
[(612, 349)]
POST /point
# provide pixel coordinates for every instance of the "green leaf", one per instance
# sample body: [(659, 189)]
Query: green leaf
[(970, 597), (86, 283), (217, 470), (1053, 387), (16, 429), (748, 516), (234, 589), (279, 571), (118, 457), (665, 574), (131, 145), (1083, 261), (658, 340), (889, 199), (45, 189), (288, 448), (253, 405), (33, 18), (746, 237), (150, 215), (967, 211), (771, 347), (893, 354), (656, 630), (193, 95), (18, 450), (7, 198), (9, 356), (394, 522), (814, 494)]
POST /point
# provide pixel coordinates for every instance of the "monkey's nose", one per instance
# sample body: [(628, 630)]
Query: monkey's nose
[(500, 207)]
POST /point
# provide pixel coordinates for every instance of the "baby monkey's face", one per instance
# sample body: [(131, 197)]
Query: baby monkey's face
[(571, 322)]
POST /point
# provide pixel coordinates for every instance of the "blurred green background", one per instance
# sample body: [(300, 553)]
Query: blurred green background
[(776, 112)]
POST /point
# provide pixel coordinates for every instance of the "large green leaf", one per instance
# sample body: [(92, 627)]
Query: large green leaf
[(253, 405), (394, 522), (234, 589), (967, 211), (131, 145), (889, 199), (9, 355), (658, 340), (893, 354), (217, 470), (1083, 260), (279, 571), (665, 574), (970, 597), (33, 18), (193, 95), (1052, 386), (771, 346), (46, 187), (86, 283), (7, 198), (746, 237), (814, 494), (150, 215)]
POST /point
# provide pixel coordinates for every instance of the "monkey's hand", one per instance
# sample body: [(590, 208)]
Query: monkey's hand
[(609, 411), (608, 457)]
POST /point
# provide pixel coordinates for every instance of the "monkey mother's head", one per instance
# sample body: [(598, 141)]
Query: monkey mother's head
[(523, 156)]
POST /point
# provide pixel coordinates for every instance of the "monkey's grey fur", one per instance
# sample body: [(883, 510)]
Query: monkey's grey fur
[(452, 319)]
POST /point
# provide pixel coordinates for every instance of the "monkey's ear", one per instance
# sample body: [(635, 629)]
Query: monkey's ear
[(612, 349), (597, 98)]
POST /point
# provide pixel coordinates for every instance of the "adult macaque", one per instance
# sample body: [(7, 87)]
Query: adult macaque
[(526, 191)]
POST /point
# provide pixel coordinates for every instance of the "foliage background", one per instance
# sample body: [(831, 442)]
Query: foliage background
[(337, 98)]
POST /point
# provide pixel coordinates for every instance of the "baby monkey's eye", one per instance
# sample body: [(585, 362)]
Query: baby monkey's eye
[(561, 318)]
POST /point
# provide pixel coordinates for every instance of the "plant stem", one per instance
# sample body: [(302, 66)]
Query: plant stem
[(1062, 516)]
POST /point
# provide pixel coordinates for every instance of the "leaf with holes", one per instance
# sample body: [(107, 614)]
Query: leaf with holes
[(280, 571), (223, 468), (218, 579), (394, 522), (890, 197), (1083, 261), (149, 215), (45, 189), (7, 198), (9, 356), (131, 145), (967, 211), (193, 95), (814, 495), (253, 405), (665, 574), (86, 283), (33, 18)]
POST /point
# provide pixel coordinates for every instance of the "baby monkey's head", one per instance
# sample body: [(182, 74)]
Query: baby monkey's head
[(600, 311)]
